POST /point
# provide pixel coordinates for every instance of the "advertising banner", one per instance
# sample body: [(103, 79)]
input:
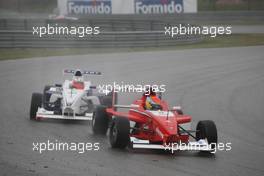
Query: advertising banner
[(87, 7), (80, 7), (158, 6)]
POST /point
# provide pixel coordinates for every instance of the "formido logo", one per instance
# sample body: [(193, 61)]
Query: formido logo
[(158, 6), (89, 7)]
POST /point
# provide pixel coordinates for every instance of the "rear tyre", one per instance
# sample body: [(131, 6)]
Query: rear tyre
[(36, 102), (100, 120), (206, 129), (119, 133)]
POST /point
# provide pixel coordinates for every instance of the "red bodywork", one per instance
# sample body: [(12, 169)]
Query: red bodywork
[(78, 85), (158, 129)]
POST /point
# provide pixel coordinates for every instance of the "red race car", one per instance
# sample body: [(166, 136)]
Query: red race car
[(157, 128)]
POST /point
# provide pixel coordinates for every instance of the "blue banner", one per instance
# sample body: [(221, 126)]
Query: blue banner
[(82, 7), (158, 6)]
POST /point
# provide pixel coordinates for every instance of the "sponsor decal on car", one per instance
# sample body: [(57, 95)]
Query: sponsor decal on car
[(78, 7), (158, 6)]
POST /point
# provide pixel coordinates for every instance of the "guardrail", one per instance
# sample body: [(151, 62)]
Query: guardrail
[(105, 23), (25, 39), (18, 33), (116, 30)]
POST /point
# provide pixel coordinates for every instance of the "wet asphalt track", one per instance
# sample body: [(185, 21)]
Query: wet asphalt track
[(224, 85)]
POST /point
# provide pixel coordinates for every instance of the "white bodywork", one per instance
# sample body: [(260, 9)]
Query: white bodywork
[(73, 102), (42, 113)]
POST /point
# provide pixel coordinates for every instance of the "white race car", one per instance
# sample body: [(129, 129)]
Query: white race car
[(75, 99)]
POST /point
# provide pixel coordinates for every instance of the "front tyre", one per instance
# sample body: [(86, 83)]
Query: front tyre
[(36, 102), (100, 120), (119, 133), (206, 129)]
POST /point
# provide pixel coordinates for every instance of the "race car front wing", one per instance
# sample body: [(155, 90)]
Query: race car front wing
[(201, 145), (44, 114)]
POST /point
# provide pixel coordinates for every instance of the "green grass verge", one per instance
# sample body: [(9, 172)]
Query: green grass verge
[(218, 42)]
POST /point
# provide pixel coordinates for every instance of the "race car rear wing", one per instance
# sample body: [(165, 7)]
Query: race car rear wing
[(84, 72)]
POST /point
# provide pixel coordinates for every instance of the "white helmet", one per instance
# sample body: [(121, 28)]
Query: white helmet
[(78, 76)]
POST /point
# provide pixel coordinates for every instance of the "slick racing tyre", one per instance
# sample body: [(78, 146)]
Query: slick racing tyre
[(36, 102), (206, 129), (119, 133), (100, 120)]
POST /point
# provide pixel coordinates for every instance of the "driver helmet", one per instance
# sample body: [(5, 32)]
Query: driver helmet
[(153, 103), (78, 77)]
